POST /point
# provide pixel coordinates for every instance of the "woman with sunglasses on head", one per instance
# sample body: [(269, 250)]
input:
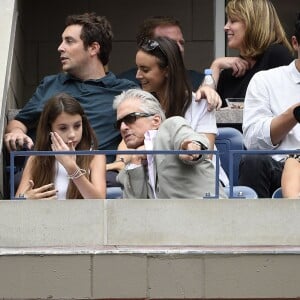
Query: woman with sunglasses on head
[(63, 126), (161, 71)]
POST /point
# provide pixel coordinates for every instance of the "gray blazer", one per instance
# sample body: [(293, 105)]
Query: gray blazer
[(174, 178)]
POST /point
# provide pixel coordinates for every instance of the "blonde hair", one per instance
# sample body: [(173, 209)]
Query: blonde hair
[(262, 23)]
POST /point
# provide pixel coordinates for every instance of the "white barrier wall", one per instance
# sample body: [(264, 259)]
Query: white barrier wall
[(150, 249)]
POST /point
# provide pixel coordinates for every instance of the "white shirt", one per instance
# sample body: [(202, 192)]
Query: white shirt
[(269, 94), (204, 121), (61, 181)]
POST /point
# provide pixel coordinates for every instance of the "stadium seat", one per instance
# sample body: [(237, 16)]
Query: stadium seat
[(114, 193), (277, 193), (241, 191), (229, 139)]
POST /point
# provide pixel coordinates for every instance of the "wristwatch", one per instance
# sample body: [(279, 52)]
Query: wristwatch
[(297, 113)]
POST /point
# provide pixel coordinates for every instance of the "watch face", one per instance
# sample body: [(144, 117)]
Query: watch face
[(297, 113)]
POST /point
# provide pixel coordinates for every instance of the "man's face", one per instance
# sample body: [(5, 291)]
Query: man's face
[(73, 55), (133, 132), (173, 32)]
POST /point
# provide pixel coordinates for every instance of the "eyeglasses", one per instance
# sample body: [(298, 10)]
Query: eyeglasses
[(150, 45), (131, 118)]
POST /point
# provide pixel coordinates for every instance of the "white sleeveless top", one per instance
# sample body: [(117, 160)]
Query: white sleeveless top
[(61, 181)]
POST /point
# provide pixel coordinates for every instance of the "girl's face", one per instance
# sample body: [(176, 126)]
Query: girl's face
[(235, 30), (150, 75), (69, 127)]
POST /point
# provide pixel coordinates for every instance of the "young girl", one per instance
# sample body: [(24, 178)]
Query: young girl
[(64, 126)]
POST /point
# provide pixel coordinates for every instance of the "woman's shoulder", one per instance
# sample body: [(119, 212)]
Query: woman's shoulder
[(276, 55), (279, 51), (278, 48)]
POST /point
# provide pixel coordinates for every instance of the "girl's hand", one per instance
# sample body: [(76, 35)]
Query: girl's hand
[(59, 145), (46, 191)]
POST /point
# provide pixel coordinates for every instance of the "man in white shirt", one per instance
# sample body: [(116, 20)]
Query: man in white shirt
[(271, 116)]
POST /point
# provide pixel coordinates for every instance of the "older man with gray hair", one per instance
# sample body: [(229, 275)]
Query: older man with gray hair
[(142, 124)]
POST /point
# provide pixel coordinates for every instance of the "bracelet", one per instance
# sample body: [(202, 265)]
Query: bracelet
[(22, 196), (78, 173)]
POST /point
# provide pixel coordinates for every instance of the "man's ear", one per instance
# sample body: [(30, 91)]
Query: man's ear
[(94, 48), (295, 43), (156, 121)]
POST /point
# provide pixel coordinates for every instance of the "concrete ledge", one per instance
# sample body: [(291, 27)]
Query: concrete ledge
[(150, 249), (119, 222), (48, 223), (147, 273)]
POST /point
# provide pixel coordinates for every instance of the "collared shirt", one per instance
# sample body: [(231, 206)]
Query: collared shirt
[(95, 96), (269, 94), (148, 142)]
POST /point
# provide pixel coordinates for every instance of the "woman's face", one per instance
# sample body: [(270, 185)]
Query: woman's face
[(150, 75), (69, 127), (235, 30)]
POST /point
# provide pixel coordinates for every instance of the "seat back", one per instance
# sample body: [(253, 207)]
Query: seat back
[(114, 193), (277, 193), (241, 191), (229, 138)]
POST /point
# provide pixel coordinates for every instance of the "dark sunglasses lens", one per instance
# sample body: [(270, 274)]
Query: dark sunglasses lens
[(129, 119)]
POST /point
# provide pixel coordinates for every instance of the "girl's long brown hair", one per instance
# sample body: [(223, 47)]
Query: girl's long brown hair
[(44, 167)]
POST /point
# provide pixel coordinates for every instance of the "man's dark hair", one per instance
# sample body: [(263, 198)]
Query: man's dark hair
[(146, 29), (94, 29), (297, 28)]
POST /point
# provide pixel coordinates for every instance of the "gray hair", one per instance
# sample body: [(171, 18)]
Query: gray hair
[(149, 104)]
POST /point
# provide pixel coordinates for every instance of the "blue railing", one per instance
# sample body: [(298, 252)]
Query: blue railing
[(13, 154), (232, 154)]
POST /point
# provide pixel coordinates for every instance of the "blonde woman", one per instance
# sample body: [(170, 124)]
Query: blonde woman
[(254, 30)]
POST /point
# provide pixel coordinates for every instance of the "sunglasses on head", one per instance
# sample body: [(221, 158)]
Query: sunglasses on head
[(131, 118), (150, 45)]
